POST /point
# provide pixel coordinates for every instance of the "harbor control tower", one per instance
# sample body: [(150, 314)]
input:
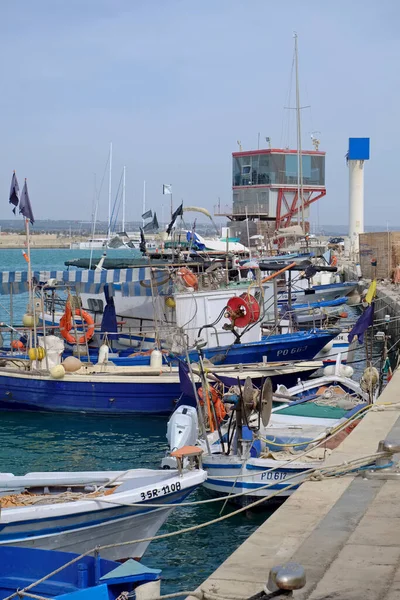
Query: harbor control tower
[(266, 189)]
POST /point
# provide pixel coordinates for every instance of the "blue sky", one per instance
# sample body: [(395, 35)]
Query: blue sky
[(175, 83)]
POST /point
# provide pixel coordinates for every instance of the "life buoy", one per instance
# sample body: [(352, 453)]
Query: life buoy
[(334, 261), (188, 277), (66, 326), (219, 406)]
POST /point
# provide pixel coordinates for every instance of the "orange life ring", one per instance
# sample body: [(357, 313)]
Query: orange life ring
[(219, 406), (66, 325), (189, 278), (334, 261)]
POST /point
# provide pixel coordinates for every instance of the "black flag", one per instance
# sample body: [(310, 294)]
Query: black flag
[(14, 192), (152, 225), (147, 215), (177, 213), (25, 207), (142, 245)]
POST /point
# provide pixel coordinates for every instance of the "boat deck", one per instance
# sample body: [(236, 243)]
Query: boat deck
[(345, 532)]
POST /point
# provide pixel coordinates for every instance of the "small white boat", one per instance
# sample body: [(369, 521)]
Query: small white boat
[(76, 512)]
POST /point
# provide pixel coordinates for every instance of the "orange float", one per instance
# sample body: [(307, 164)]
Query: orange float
[(17, 345), (66, 325), (188, 277)]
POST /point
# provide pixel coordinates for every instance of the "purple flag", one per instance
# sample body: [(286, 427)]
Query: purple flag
[(25, 207), (361, 326), (14, 192)]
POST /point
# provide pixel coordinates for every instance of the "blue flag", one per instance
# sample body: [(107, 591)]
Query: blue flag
[(14, 192), (25, 207), (361, 326), (109, 321)]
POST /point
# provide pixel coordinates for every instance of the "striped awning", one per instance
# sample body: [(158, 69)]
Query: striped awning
[(131, 282)]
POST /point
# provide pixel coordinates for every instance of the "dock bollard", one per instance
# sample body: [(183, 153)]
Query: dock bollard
[(390, 447), (283, 580)]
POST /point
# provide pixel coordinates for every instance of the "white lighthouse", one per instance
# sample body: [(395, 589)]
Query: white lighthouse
[(357, 154)]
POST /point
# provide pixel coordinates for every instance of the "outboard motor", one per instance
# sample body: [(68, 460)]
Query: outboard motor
[(182, 430)]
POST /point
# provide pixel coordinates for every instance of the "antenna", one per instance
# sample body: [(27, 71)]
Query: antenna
[(315, 141), (268, 140), (239, 143)]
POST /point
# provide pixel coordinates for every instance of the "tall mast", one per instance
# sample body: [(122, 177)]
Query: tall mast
[(298, 121), (123, 199), (109, 191), (144, 199)]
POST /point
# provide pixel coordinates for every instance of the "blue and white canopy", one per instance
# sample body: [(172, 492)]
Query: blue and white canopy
[(131, 282)]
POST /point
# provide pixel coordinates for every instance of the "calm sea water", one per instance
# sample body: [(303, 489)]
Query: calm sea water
[(40, 442)]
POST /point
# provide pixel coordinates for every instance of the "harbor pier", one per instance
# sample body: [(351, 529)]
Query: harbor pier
[(345, 531)]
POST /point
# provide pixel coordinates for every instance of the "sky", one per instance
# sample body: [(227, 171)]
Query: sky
[(173, 84)]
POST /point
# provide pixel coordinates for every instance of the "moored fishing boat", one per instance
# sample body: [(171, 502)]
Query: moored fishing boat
[(69, 575), (110, 390), (262, 452), (76, 512)]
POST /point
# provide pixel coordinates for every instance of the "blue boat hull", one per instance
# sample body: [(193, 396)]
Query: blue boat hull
[(302, 345), (88, 578), (108, 398), (119, 399), (129, 396)]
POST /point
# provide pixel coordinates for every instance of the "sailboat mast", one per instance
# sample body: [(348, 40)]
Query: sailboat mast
[(300, 194), (144, 199), (109, 192), (123, 199)]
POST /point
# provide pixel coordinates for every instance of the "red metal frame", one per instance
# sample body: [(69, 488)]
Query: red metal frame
[(284, 219)]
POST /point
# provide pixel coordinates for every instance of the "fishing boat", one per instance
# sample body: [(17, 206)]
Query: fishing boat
[(315, 314), (117, 390), (258, 451), (72, 511), (68, 575)]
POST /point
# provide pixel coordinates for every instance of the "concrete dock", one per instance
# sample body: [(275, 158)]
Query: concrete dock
[(345, 532)]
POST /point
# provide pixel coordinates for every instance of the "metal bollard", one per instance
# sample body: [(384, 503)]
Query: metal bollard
[(390, 447), (287, 578), (283, 580)]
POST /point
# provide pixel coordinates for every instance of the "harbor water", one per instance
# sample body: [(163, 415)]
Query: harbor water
[(44, 442)]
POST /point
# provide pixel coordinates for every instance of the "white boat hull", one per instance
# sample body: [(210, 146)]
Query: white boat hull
[(81, 525)]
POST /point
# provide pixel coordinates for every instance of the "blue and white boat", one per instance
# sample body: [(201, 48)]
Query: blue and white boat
[(83, 578), (76, 512), (259, 459), (110, 390)]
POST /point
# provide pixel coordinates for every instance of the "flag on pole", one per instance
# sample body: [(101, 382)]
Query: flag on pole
[(142, 245), (147, 215), (167, 188), (176, 214), (361, 326), (152, 225), (14, 192), (25, 207), (371, 292)]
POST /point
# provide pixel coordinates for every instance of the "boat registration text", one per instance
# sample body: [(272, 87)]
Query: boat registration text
[(157, 492)]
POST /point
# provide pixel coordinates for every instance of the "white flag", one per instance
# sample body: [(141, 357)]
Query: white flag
[(166, 189)]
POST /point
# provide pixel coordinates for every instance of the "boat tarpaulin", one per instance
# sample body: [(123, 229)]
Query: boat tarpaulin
[(130, 282)]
